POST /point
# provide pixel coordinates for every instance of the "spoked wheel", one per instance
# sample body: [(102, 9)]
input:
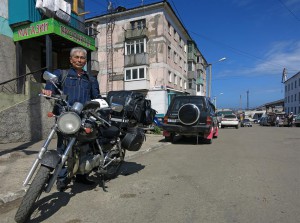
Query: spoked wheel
[(32, 194), (114, 167)]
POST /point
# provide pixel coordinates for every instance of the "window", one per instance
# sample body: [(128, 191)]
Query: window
[(135, 46), (175, 57), (169, 28), (176, 35), (180, 82), (292, 98), (135, 73), (295, 84), (295, 97), (184, 84), (190, 84), (181, 43), (169, 51), (175, 79), (138, 24), (170, 76)]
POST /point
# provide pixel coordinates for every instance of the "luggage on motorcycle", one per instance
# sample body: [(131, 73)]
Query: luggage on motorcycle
[(133, 103), (133, 140)]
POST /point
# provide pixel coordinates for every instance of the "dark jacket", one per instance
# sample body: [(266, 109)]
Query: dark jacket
[(78, 89)]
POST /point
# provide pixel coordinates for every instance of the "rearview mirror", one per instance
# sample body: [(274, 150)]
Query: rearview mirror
[(50, 77)]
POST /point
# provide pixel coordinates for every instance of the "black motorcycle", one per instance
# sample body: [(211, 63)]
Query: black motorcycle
[(91, 144)]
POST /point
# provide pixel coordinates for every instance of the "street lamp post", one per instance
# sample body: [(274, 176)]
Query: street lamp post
[(215, 100), (210, 76)]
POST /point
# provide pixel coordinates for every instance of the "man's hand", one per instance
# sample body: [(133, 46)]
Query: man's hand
[(47, 92)]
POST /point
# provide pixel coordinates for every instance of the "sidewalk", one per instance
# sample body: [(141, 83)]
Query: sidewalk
[(16, 160)]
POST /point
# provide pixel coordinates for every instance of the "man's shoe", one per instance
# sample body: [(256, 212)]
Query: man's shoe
[(83, 179)]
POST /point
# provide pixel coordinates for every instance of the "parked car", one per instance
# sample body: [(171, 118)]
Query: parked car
[(297, 120), (264, 121), (230, 121), (246, 123), (191, 116)]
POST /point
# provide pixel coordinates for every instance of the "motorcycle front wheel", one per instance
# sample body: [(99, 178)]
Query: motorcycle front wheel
[(32, 194)]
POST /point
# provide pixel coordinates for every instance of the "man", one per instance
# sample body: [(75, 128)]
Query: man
[(79, 87), (290, 119)]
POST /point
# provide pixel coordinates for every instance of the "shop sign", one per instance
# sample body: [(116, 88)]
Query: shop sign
[(49, 26)]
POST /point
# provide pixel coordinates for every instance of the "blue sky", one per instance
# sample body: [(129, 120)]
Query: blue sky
[(258, 37)]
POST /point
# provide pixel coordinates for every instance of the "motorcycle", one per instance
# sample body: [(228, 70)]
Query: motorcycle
[(91, 144)]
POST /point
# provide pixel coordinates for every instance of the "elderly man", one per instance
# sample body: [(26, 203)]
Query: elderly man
[(79, 87)]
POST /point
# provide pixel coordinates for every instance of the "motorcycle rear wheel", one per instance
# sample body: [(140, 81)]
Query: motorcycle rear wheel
[(32, 194)]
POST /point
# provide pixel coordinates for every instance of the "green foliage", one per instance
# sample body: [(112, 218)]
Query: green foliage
[(156, 130)]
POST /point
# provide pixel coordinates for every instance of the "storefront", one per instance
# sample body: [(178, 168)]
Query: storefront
[(46, 45)]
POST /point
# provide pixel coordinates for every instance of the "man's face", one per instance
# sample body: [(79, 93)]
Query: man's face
[(78, 60)]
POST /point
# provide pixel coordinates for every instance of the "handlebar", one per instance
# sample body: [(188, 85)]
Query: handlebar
[(57, 97)]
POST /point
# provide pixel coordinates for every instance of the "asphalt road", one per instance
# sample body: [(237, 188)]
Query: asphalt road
[(246, 175)]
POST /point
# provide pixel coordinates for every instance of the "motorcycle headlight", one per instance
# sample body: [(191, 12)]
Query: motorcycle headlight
[(69, 123)]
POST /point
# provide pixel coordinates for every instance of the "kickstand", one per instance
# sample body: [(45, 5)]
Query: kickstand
[(103, 183)]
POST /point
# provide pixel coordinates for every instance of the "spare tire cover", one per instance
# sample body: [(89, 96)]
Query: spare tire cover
[(188, 114)]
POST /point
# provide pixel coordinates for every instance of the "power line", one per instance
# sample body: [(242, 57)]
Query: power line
[(291, 12), (226, 45), (240, 52), (235, 50)]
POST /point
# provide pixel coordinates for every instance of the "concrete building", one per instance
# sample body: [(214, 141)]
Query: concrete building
[(147, 49), (292, 94)]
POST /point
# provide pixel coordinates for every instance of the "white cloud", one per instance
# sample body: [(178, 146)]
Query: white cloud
[(281, 54), (284, 54)]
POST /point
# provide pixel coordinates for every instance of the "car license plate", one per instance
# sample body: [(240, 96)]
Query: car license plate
[(172, 120)]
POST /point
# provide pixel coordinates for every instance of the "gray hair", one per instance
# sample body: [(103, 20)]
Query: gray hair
[(77, 49)]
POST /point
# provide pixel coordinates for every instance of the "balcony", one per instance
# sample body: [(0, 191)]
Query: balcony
[(191, 75), (143, 84), (135, 33), (25, 12), (192, 56), (200, 81), (136, 59)]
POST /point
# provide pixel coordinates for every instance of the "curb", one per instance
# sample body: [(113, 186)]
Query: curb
[(10, 197)]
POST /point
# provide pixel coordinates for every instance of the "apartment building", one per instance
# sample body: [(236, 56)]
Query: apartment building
[(147, 49), (292, 94)]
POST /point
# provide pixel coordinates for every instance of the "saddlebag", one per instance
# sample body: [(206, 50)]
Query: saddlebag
[(133, 140)]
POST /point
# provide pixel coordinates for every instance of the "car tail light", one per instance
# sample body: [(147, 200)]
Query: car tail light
[(208, 121)]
